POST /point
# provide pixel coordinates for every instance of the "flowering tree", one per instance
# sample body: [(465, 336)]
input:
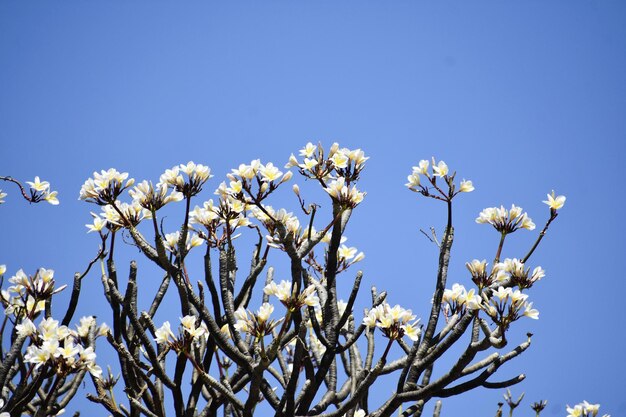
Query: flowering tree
[(229, 352)]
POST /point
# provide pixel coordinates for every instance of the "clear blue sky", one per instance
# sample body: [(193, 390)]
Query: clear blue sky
[(520, 97)]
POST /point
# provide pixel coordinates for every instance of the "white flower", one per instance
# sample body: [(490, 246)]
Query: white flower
[(68, 350), (164, 333), (440, 170), (3, 269), (2, 196), (591, 408), (269, 172), (51, 197), (308, 150), (37, 185), (293, 162), (555, 203), (344, 252), (466, 186), (85, 325), (189, 326), (26, 328), (414, 180), (264, 312), (308, 163), (531, 312), (36, 356), (282, 291), (339, 160), (94, 369), (98, 224), (422, 168)]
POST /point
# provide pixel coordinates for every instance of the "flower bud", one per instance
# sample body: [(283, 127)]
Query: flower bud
[(287, 177), (334, 148)]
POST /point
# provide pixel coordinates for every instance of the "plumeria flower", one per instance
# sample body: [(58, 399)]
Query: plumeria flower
[(440, 170), (51, 197), (531, 312), (413, 181), (293, 162), (269, 172), (466, 186), (308, 163), (340, 160), (26, 328), (98, 224), (40, 186), (555, 203), (345, 252), (189, 327), (164, 334), (3, 269), (2, 196), (85, 325), (308, 150), (422, 167)]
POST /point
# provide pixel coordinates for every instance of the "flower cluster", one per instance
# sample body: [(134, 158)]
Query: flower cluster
[(344, 195), (171, 241), (505, 306), (230, 212), (510, 272), (285, 294), (28, 294), (189, 184), (342, 166), (59, 347), (40, 190), (340, 162), (276, 222), (153, 197), (190, 332), (256, 324), (515, 272), (393, 321), (439, 169), (584, 409), (458, 298), (120, 214), (506, 221), (105, 187), (266, 176)]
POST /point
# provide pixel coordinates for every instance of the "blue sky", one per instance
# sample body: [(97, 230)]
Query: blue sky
[(520, 97)]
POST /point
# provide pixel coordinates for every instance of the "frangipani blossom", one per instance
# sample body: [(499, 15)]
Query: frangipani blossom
[(554, 202)]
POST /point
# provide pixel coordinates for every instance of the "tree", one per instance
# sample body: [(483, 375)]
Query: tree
[(228, 354)]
